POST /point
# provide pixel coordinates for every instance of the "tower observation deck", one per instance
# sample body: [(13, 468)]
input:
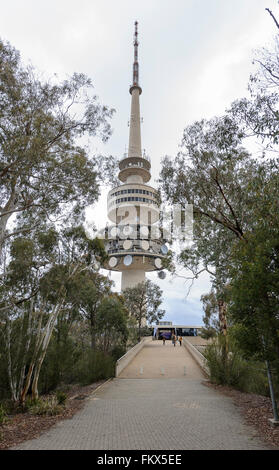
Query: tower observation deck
[(134, 242)]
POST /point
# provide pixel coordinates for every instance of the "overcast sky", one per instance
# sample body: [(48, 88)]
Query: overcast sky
[(195, 57)]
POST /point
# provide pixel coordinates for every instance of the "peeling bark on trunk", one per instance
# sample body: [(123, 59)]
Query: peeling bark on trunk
[(93, 332), (222, 306), (19, 381), (47, 335), (26, 350), (46, 339), (5, 214), (38, 344), (9, 360)]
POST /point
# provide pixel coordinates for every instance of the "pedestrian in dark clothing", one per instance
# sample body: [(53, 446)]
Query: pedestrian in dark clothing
[(180, 340)]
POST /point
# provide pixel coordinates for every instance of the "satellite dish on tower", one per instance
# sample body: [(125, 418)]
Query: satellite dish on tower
[(158, 263), (156, 248), (96, 265), (128, 259), (114, 232), (112, 262), (144, 231), (127, 244), (155, 233), (144, 245), (164, 249), (127, 230)]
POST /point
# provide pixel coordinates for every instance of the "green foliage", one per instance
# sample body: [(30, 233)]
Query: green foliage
[(86, 292), (210, 318), (61, 397), (146, 331), (234, 370), (46, 176), (3, 415), (236, 209), (4, 380), (254, 291), (117, 352), (111, 323), (143, 302), (224, 370), (93, 366), (68, 361), (55, 278), (208, 332), (47, 406), (60, 361), (258, 114), (44, 171)]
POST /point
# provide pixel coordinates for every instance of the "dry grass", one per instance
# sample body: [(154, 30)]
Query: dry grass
[(256, 410), (24, 426)]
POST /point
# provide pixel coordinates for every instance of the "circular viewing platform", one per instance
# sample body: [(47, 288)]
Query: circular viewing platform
[(137, 199), (140, 261), (131, 166)]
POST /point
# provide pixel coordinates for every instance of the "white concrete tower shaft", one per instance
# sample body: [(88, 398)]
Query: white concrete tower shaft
[(132, 277), (134, 149)]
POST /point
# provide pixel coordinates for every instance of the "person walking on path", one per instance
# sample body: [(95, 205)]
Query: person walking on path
[(180, 340), (173, 339), (164, 340)]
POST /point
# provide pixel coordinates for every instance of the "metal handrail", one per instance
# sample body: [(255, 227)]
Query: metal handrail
[(143, 156)]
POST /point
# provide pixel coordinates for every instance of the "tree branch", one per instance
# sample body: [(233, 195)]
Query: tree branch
[(274, 19)]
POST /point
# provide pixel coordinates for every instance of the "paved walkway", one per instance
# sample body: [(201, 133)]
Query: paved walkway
[(165, 412), (158, 361)]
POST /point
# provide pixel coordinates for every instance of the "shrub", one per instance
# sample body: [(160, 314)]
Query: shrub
[(61, 397), (45, 406), (246, 375), (146, 331), (93, 366), (59, 365), (3, 415), (224, 370), (118, 352)]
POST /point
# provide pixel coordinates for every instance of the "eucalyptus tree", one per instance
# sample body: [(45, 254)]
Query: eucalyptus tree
[(45, 171), (235, 198), (88, 290), (211, 319), (258, 115), (254, 299), (212, 172), (41, 270), (111, 323), (143, 302)]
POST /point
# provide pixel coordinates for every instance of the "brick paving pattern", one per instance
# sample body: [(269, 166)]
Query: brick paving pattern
[(158, 361), (163, 412)]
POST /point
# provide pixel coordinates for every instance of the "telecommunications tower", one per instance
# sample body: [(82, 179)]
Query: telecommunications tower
[(134, 242)]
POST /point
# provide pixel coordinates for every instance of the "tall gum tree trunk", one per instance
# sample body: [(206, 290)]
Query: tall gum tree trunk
[(92, 328), (38, 345), (3, 226), (26, 347), (46, 340), (5, 214), (222, 306), (9, 360)]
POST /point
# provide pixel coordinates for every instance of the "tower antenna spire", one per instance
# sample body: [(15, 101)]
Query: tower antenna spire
[(136, 64)]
